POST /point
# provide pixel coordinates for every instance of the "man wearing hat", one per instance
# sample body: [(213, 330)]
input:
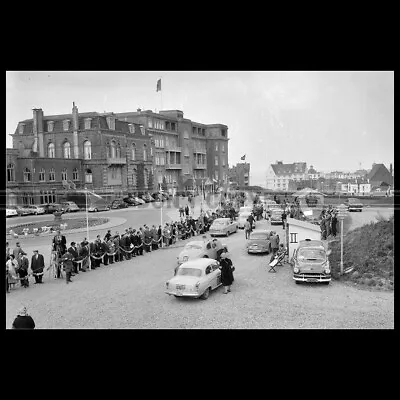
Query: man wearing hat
[(226, 272), (67, 261), (37, 266), (72, 249)]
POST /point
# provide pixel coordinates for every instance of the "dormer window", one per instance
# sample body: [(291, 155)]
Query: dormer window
[(111, 123), (88, 123), (131, 128), (21, 128), (50, 126), (66, 124)]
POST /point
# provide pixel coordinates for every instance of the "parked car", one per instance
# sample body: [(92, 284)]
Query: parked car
[(147, 198), (242, 218), (36, 209), (198, 249), (259, 241), (22, 210), (248, 209), (276, 216), (139, 201), (354, 204), (98, 206), (195, 278), (11, 212), (51, 207), (223, 226), (131, 201), (118, 203), (310, 262), (69, 206), (158, 196)]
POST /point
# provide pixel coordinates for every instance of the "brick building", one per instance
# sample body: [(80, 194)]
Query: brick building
[(56, 153), (186, 152), (239, 175)]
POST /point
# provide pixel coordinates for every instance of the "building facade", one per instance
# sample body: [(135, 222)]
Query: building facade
[(53, 154), (282, 177), (239, 175), (185, 151)]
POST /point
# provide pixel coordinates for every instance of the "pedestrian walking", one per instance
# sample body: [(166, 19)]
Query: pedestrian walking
[(187, 210), (37, 266), (67, 261), (227, 269), (23, 320), (274, 239), (334, 224), (23, 271), (284, 219), (247, 229), (11, 271)]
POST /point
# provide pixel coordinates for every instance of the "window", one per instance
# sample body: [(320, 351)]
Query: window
[(118, 151), (87, 150), (223, 147), (151, 151), (216, 175), (216, 160), (88, 123), (64, 174), (27, 175), (21, 128), (75, 175), (51, 151), (42, 175), (133, 152), (131, 128), (52, 175), (111, 123), (146, 177), (10, 173), (186, 135), (134, 177), (142, 129), (66, 124), (150, 122), (173, 126), (50, 126), (67, 150), (113, 150), (88, 176), (223, 132), (144, 153), (216, 146)]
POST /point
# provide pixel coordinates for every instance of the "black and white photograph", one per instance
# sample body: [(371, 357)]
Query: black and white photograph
[(210, 199)]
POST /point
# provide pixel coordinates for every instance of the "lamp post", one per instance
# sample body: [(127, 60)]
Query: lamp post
[(341, 215), (87, 226)]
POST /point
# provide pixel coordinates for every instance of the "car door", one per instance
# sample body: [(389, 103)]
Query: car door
[(215, 275)]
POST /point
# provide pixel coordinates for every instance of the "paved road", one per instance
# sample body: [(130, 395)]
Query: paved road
[(131, 295), (369, 214)]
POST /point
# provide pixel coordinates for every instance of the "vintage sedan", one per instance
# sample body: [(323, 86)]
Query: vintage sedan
[(259, 241), (223, 226), (11, 212), (195, 278), (243, 218), (118, 203), (36, 209), (310, 262), (198, 249), (354, 204), (70, 206), (22, 210)]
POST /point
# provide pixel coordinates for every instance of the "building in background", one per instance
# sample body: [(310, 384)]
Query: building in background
[(239, 175), (57, 153), (284, 177), (187, 153)]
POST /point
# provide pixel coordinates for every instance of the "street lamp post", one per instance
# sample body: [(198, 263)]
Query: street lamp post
[(341, 215), (87, 225)]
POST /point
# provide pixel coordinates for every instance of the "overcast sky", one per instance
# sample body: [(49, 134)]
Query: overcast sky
[(331, 120)]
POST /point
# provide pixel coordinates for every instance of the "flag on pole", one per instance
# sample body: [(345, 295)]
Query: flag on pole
[(158, 85), (243, 157)]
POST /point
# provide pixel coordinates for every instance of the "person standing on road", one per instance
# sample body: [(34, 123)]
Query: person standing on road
[(187, 210), (334, 224), (284, 219), (11, 270), (274, 239), (226, 272), (37, 266), (247, 228), (23, 271), (251, 220), (74, 252), (328, 224), (23, 320), (67, 261), (219, 248)]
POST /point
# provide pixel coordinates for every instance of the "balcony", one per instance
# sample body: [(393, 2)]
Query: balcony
[(173, 148), (173, 166), (200, 166), (116, 161)]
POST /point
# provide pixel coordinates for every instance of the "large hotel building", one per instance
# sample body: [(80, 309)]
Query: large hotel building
[(112, 154)]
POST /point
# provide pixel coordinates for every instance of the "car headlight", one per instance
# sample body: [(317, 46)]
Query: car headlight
[(196, 286), (327, 270), (296, 270)]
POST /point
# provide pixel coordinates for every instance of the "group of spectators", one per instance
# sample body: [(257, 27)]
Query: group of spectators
[(328, 222)]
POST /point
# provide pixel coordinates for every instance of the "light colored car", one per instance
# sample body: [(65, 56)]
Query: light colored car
[(22, 210), (310, 262), (259, 241), (354, 204), (36, 209), (243, 218), (195, 278), (11, 212), (139, 200), (198, 249), (69, 206), (223, 226), (276, 216), (245, 209)]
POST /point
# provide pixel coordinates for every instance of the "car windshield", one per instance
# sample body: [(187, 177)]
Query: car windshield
[(196, 246), (311, 255), (259, 236), (189, 272)]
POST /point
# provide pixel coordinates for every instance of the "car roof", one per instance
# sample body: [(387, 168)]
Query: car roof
[(311, 243), (199, 263), (267, 232)]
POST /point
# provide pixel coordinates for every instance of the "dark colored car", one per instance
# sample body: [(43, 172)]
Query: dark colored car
[(259, 241), (157, 196), (354, 204), (146, 197), (130, 201), (119, 203)]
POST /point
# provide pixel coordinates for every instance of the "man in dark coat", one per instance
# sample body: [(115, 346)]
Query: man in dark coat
[(154, 238), (116, 240), (147, 238), (60, 243), (274, 240), (284, 219), (334, 224), (23, 271), (187, 210), (107, 236), (67, 261), (72, 249), (226, 273), (139, 243), (37, 266)]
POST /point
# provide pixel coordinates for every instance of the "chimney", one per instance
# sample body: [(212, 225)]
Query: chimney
[(75, 116), (38, 131)]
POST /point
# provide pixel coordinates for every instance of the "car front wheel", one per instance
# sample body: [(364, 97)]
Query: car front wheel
[(206, 294)]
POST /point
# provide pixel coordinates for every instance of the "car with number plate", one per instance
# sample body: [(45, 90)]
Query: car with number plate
[(195, 278), (198, 249), (354, 204), (259, 241), (242, 218), (223, 226), (11, 212), (310, 262), (276, 216)]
